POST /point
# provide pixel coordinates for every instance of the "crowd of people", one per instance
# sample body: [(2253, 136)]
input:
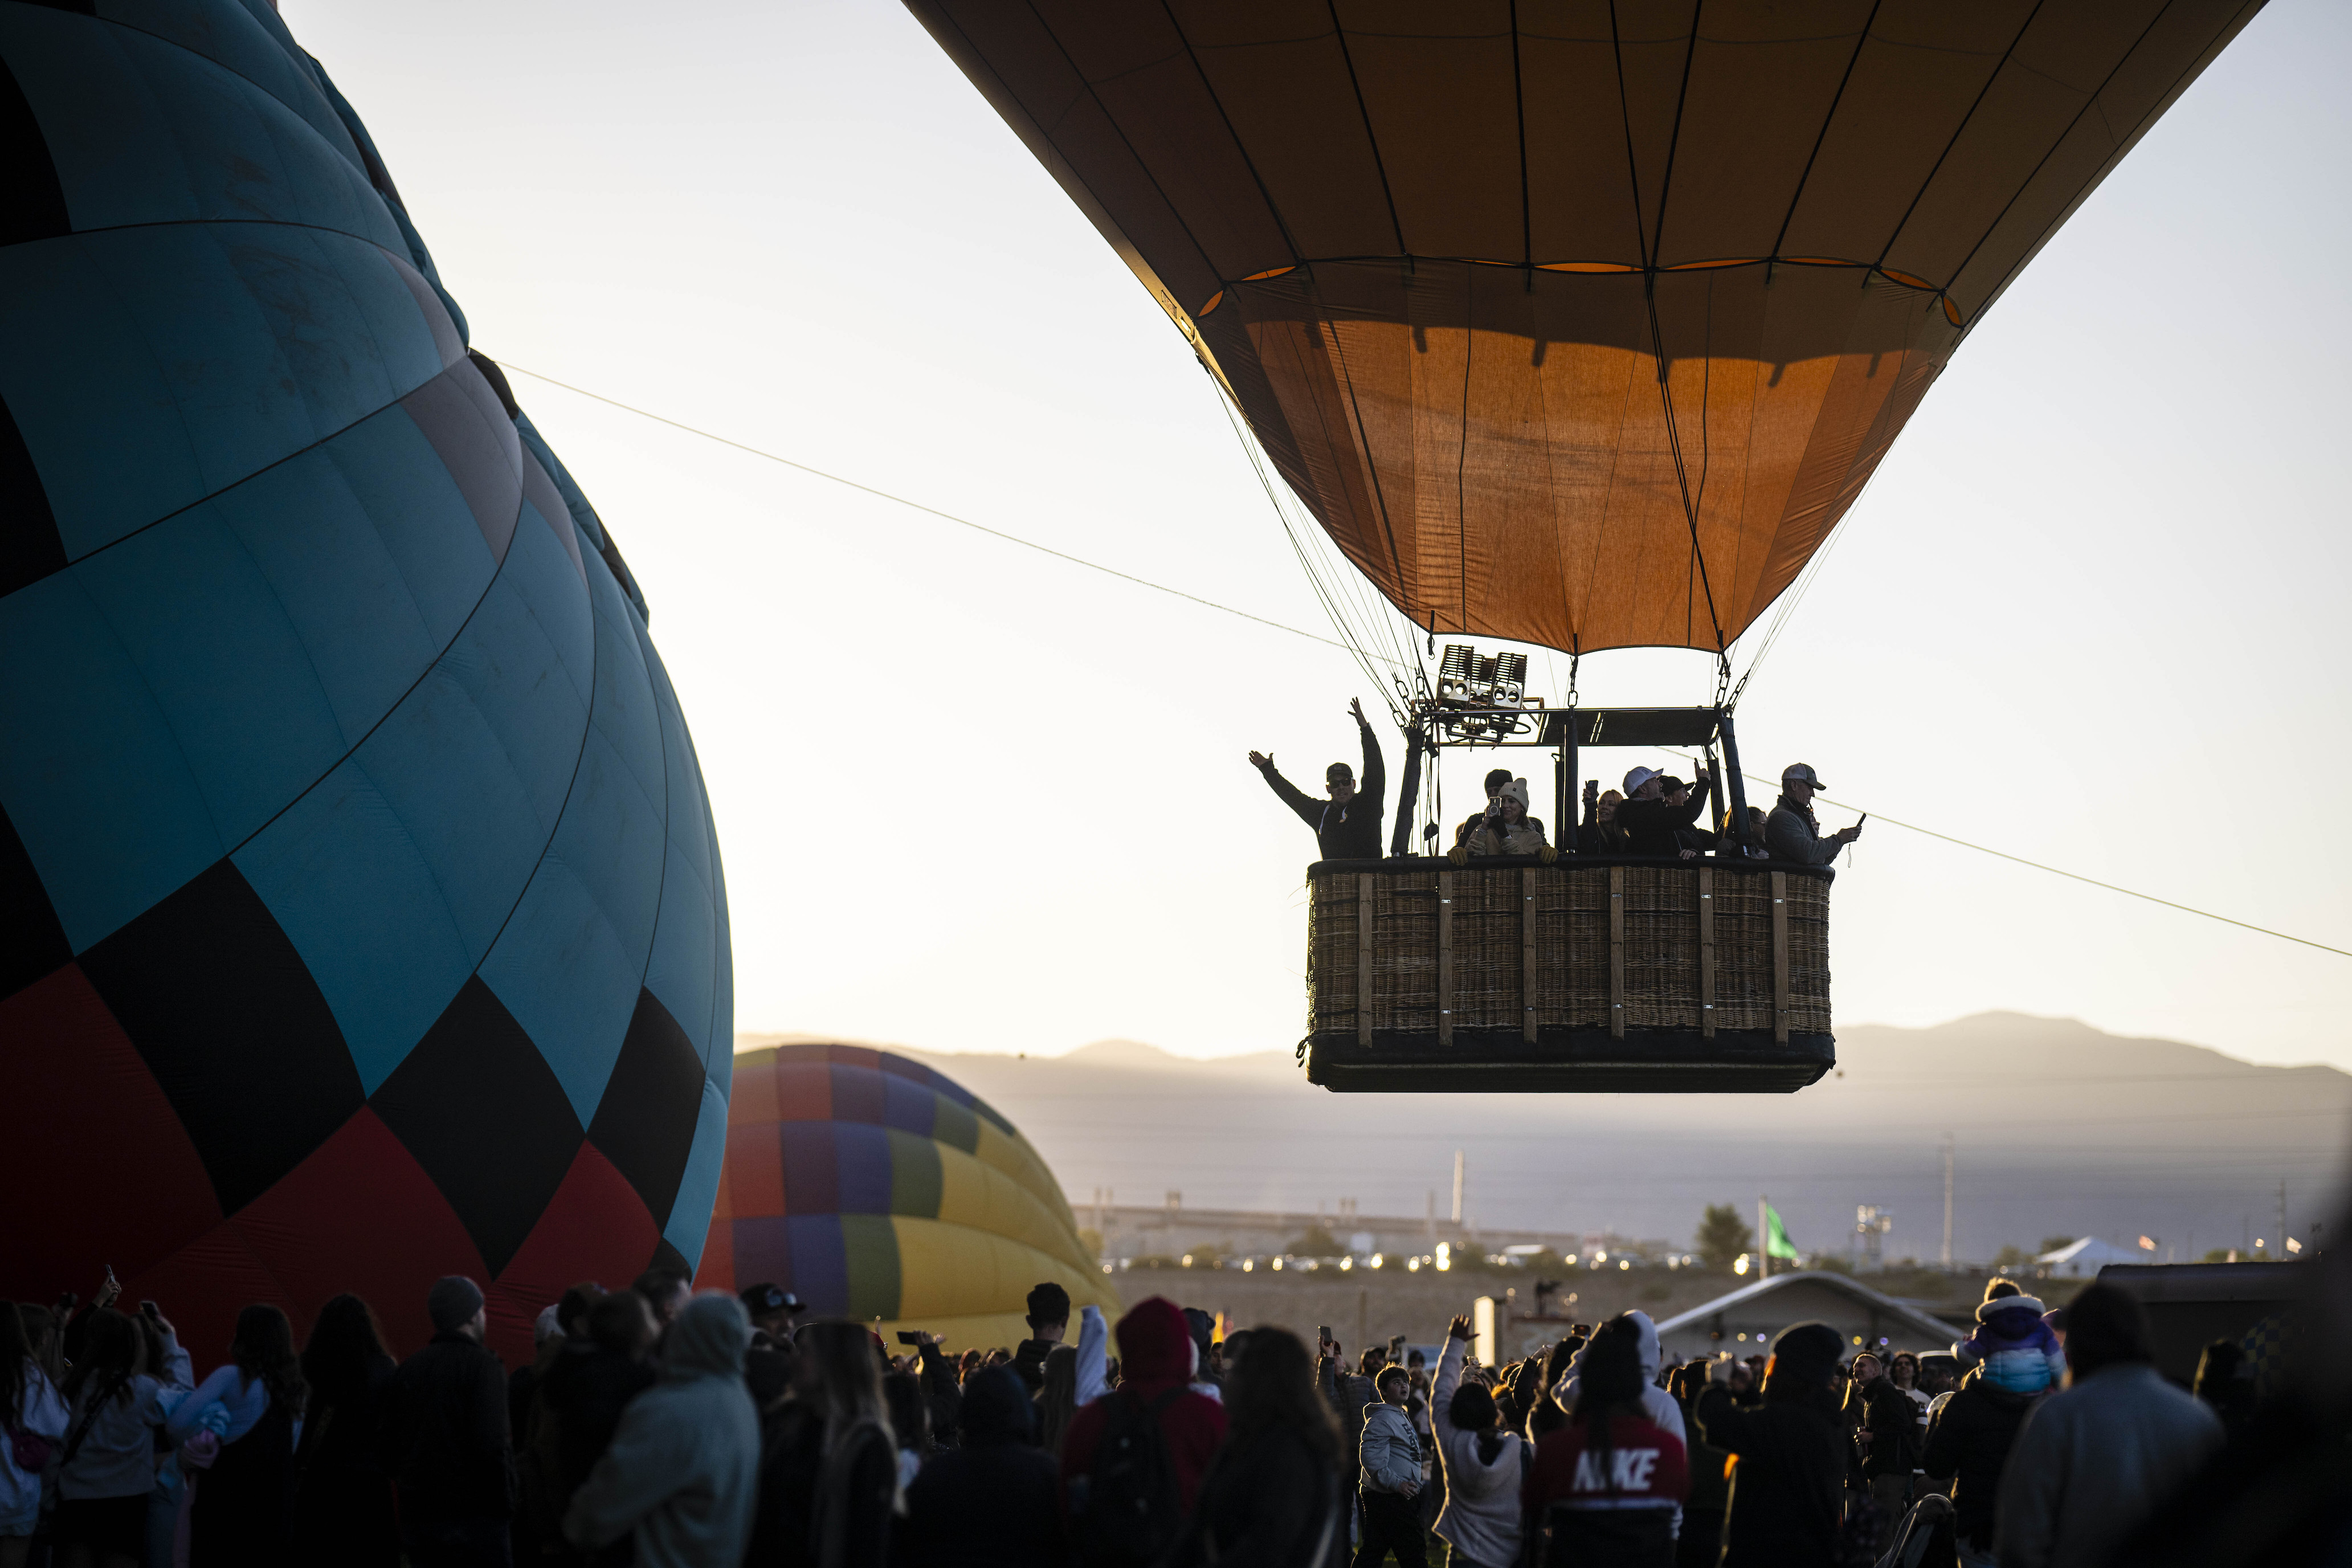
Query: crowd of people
[(1656, 816), (670, 1429)]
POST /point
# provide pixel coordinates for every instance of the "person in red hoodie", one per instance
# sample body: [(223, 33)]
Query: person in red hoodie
[(1602, 1490), (1100, 1455)]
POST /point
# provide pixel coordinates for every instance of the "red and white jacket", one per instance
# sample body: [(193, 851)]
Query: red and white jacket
[(1645, 1466)]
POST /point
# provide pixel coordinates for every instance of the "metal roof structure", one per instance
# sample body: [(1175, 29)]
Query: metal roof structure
[(1850, 1305)]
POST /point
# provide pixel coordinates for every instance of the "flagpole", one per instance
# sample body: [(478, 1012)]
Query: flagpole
[(1763, 1236)]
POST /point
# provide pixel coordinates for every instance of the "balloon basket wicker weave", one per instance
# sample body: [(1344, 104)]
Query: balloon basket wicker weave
[(1591, 974)]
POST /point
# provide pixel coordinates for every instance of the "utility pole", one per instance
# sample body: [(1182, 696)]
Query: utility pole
[(1763, 1236), (1947, 1201), (1457, 1186)]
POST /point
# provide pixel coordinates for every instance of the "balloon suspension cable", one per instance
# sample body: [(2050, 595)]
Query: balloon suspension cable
[(1368, 630), (1691, 503)]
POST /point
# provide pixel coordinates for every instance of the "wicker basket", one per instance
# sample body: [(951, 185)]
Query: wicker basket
[(1510, 945)]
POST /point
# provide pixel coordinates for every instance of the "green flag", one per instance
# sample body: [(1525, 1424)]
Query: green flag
[(1776, 1237)]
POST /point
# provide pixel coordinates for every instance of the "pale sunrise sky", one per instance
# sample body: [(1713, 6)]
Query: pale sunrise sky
[(2091, 611)]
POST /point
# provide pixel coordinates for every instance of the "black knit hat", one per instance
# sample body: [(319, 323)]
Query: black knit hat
[(1808, 1352), (452, 1303)]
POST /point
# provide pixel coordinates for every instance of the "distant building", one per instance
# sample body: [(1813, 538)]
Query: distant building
[(2082, 1259), (1746, 1320)]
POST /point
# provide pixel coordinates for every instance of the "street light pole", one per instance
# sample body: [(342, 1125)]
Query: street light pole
[(1947, 1201)]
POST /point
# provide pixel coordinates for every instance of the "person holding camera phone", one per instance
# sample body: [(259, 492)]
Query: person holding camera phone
[(108, 1465), (1792, 832), (1505, 828)]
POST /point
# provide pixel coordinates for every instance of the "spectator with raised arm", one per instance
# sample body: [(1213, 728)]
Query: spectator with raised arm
[(1347, 825), (1482, 1463)]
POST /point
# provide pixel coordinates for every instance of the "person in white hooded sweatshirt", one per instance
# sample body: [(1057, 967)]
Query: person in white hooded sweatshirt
[(1484, 1465), (683, 1472)]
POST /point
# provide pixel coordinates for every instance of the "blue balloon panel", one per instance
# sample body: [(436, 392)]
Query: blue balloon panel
[(353, 846)]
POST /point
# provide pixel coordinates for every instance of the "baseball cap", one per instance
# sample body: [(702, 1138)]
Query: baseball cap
[(1640, 776), (1801, 773), (1337, 771), (762, 1299)]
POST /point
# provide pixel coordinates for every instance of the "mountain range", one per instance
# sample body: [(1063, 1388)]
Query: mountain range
[(2055, 1130)]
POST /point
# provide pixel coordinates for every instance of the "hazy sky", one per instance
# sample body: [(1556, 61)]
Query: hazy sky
[(2090, 612)]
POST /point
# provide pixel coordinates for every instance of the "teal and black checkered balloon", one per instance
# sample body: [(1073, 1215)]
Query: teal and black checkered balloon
[(363, 918)]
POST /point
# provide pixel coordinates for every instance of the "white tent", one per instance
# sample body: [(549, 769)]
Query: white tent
[(2085, 1259)]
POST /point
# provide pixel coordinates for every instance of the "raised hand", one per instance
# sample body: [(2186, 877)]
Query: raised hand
[(1459, 1329), (1261, 761), (1356, 710)]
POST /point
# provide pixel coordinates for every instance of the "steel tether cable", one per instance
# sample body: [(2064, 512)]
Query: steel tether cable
[(1328, 642), (918, 505), (2060, 871)]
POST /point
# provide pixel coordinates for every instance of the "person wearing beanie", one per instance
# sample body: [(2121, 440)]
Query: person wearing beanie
[(1156, 1363), (1789, 1453), (445, 1440), (2093, 1461), (1506, 830)]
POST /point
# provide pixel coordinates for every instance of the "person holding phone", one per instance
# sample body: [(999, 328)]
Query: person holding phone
[(1792, 832)]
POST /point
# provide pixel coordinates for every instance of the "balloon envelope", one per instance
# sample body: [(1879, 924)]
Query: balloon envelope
[(876, 1188), (363, 913), (1577, 324)]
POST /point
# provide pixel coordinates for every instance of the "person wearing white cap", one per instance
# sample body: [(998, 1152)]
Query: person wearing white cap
[(1660, 813), (1791, 831), (1506, 830)]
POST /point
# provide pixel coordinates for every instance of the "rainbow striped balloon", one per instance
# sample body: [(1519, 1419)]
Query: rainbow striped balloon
[(878, 1189)]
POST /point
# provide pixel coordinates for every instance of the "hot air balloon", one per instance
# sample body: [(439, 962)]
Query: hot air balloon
[(1578, 324), (876, 1188), (364, 919)]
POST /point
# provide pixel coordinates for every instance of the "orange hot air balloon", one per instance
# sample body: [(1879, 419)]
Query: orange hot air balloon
[(1578, 323)]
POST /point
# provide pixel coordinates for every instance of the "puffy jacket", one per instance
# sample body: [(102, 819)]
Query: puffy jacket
[(2018, 1350), (1391, 1452), (1481, 1517)]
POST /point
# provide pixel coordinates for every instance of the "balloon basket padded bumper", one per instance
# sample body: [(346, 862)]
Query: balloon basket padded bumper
[(1591, 974)]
